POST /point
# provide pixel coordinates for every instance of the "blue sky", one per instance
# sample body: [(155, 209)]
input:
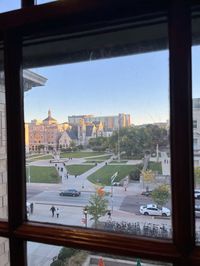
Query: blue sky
[(7, 5), (138, 85), (127, 84)]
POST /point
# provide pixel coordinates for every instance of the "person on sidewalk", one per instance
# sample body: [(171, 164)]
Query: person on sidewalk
[(52, 209), (31, 207), (57, 212), (109, 215)]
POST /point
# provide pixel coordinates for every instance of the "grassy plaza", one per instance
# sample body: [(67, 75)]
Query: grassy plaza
[(103, 175), (80, 154), (41, 174), (39, 158), (78, 169), (155, 167)]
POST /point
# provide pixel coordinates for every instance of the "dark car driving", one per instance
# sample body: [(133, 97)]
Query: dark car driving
[(70, 192), (146, 193)]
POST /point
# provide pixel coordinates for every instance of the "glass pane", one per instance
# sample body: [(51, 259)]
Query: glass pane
[(3, 145), (44, 1), (42, 254), (196, 120), (9, 5), (97, 142), (4, 252)]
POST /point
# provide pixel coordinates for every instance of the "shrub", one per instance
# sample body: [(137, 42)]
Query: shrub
[(135, 173), (65, 253), (57, 263)]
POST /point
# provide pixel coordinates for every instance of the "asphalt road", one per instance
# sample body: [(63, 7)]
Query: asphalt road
[(82, 200), (132, 203), (129, 203)]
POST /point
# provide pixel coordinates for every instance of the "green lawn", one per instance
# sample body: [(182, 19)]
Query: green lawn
[(80, 154), (94, 161), (155, 166), (116, 162), (103, 175), (102, 158), (98, 159), (78, 169), (40, 174), (39, 158)]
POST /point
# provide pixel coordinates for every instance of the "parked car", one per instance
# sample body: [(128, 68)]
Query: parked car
[(197, 209), (147, 193), (70, 192), (197, 194), (117, 184), (153, 209)]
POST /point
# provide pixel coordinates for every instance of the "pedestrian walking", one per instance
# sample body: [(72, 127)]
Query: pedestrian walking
[(52, 209), (57, 212), (109, 215), (31, 207)]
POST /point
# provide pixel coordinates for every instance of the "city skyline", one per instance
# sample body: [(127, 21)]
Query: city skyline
[(104, 87)]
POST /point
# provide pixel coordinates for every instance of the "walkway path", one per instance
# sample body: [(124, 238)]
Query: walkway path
[(165, 161)]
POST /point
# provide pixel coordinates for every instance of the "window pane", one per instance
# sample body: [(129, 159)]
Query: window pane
[(97, 142), (9, 5), (4, 252), (3, 145), (44, 1), (42, 254), (196, 121)]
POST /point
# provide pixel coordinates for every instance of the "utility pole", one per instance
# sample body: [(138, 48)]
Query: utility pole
[(118, 143)]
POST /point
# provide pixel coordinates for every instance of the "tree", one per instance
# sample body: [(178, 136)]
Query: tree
[(136, 141), (99, 143), (148, 176), (98, 206), (40, 147), (160, 195)]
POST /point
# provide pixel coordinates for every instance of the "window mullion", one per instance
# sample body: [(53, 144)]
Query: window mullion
[(181, 127), (15, 144), (27, 3)]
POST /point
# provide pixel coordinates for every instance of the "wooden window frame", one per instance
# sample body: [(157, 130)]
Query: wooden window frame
[(13, 27)]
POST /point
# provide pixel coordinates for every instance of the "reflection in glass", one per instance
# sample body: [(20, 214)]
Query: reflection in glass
[(42, 254)]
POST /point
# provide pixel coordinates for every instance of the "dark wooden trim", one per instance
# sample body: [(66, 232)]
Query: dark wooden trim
[(15, 143), (93, 12), (27, 3), (4, 229), (99, 241), (181, 128), (60, 14)]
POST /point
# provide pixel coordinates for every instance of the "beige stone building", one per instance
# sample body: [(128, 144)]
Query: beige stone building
[(44, 135), (30, 80)]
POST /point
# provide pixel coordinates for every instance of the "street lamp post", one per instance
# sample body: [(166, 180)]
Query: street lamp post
[(118, 144), (85, 212), (112, 180)]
